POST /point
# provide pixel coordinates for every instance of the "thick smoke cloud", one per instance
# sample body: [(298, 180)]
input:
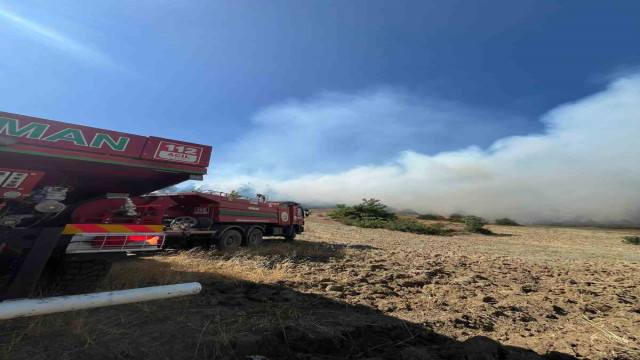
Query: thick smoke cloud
[(584, 168), (334, 132)]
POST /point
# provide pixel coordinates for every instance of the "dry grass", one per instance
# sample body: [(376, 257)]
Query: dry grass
[(187, 267), (268, 263), (74, 323), (294, 250)]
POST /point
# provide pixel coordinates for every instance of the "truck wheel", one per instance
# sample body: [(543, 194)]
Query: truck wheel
[(78, 275), (254, 238), (231, 239), (290, 238)]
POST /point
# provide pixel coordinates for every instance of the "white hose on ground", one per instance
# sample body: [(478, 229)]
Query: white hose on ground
[(30, 307)]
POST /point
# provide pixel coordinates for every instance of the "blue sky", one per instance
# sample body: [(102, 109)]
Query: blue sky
[(290, 89)]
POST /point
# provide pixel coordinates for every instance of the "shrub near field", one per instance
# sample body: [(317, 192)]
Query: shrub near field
[(373, 214), (475, 224), (633, 240), (431, 217), (506, 222)]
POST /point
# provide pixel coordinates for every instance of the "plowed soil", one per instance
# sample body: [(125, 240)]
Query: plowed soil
[(347, 292)]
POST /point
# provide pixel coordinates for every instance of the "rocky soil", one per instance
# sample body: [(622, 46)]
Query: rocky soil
[(545, 289)]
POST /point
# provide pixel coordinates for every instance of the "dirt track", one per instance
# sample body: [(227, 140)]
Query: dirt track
[(348, 292)]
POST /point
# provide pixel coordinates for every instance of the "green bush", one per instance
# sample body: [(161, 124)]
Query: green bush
[(474, 224), (372, 214), (455, 218), (430, 217), (633, 240), (506, 222)]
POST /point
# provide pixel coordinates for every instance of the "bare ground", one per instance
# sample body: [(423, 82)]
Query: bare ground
[(346, 292)]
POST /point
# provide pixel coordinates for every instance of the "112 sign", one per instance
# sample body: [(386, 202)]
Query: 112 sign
[(178, 152)]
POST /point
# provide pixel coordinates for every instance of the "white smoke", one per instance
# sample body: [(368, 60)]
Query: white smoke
[(584, 168)]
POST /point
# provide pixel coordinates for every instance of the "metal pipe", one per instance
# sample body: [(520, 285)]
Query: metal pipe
[(30, 307)]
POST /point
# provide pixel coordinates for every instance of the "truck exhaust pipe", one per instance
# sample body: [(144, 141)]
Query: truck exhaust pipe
[(11, 309)]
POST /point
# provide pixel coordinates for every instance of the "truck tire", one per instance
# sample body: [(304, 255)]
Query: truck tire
[(78, 276), (254, 237), (230, 239), (290, 237)]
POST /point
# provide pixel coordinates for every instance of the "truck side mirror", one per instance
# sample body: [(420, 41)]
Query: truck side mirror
[(306, 213)]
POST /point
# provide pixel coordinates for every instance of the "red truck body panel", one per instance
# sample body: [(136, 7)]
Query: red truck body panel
[(50, 135), (97, 160)]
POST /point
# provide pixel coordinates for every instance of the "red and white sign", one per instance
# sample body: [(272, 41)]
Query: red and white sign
[(200, 211), (178, 152)]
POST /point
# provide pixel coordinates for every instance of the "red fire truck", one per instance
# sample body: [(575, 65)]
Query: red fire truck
[(72, 198), (226, 220)]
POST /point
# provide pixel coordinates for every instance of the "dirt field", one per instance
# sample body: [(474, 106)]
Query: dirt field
[(346, 292)]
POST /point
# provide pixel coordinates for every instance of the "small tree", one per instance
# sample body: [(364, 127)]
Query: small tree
[(455, 218), (374, 209), (474, 224), (370, 209)]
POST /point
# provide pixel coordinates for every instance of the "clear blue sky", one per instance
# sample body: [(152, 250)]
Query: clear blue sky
[(288, 88)]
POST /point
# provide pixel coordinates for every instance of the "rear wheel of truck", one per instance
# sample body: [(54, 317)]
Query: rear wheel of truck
[(254, 237), (230, 239), (291, 237), (76, 276)]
